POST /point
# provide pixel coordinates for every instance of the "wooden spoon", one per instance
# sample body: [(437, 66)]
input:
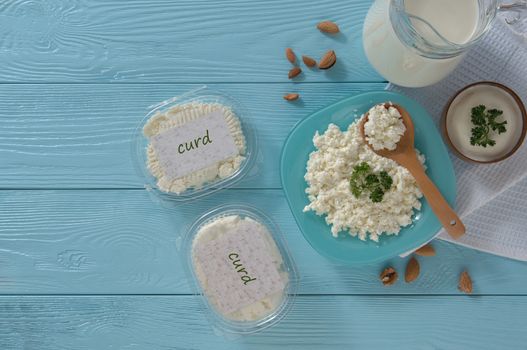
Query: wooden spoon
[(406, 156)]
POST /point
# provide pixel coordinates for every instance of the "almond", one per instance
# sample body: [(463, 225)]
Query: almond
[(328, 27), (328, 60), (291, 57), (294, 72), (426, 250), (291, 97), (465, 283), (412, 270), (308, 61), (388, 276)]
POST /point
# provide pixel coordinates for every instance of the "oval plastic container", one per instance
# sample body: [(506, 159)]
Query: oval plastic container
[(174, 113), (240, 265)]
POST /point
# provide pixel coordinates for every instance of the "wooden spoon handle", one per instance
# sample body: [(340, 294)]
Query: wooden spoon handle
[(448, 217)]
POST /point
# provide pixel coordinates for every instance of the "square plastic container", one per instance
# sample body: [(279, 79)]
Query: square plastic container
[(169, 133), (240, 265)]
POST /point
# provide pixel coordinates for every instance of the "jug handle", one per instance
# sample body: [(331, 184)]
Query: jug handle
[(516, 7)]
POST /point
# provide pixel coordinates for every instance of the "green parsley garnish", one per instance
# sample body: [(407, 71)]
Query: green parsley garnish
[(357, 178), (386, 180), (364, 180), (485, 121), (377, 195)]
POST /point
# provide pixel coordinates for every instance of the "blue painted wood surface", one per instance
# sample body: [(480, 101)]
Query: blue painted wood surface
[(120, 242), (88, 260), (317, 322), (175, 41)]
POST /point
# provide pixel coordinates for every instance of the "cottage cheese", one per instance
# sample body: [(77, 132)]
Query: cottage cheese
[(328, 172), (216, 229), (384, 127), (177, 116)]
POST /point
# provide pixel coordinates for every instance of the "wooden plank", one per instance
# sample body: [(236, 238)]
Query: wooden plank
[(176, 41), (337, 322), (119, 241), (78, 136)]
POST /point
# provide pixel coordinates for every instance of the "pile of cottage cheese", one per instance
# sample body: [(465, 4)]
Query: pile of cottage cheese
[(328, 177), (178, 116), (384, 127)]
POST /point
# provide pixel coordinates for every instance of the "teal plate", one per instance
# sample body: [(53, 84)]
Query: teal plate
[(351, 250)]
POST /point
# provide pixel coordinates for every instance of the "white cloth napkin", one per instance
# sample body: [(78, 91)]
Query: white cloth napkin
[(491, 199)]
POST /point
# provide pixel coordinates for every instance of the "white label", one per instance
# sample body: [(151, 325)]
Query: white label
[(195, 145), (238, 268)]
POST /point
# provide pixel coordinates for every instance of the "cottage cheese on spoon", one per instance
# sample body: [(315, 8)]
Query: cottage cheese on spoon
[(384, 127)]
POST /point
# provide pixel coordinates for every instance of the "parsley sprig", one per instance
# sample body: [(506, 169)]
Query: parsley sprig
[(363, 180), (485, 121)]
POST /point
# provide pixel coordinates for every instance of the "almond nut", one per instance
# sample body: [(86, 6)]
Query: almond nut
[(465, 283), (328, 60), (426, 250), (388, 276), (308, 61), (294, 72), (291, 97), (328, 27), (412, 270), (291, 57)]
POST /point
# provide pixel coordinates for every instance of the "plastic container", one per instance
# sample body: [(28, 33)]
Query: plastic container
[(240, 265), (182, 149)]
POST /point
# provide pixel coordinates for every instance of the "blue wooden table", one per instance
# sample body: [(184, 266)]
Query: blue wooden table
[(88, 261)]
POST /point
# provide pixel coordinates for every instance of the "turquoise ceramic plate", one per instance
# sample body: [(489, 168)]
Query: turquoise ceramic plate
[(347, 249)]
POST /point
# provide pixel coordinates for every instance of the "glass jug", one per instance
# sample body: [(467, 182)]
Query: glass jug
[(416, 43)]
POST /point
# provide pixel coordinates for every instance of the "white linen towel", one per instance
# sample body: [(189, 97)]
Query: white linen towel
[(491, 199)]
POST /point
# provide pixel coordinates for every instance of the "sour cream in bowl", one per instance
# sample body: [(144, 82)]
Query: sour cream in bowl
[(484, 122)]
